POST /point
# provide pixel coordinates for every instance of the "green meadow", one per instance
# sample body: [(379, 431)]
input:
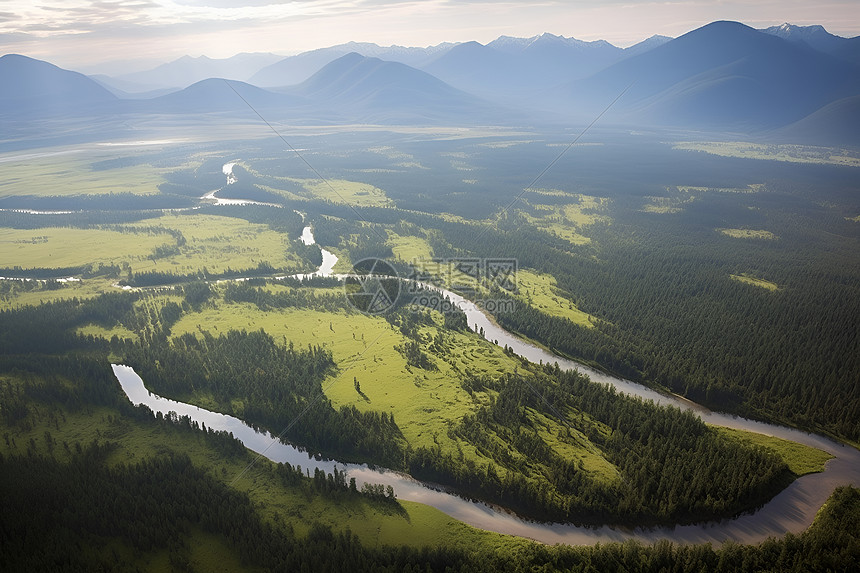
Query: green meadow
[(218, 243), (73, 174), (211, 242), (69, 247), (424, 403), (540, 291)]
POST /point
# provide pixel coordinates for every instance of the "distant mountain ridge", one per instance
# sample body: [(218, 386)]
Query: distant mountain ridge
[(296, 69), (514, 45), (217, 95), (817, 37), (517, 67), (511, 69), (724, 75), (352, 88), (187, 70), (31, 85)]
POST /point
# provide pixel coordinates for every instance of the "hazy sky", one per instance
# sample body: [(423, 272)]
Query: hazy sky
[(84, 33)]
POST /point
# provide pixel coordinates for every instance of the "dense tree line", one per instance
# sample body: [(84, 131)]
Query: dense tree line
[(72, 381), (265, 383), (163, 278), (42, 273), (102, 202), (265, 300), (673, 468), (836, 547), (78, 219), (282, 220), (50, 327), (361, 240), (59, 517), (670, 314)]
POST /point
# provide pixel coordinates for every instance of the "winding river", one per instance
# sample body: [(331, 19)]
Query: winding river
[(792, 510)]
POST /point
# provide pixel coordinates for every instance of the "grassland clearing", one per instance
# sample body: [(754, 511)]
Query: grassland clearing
[(801, 460), (346, 192), (751, 188), (100, 331), (58, 247), (73, 174), (424, 403), (657, 205), (576, 446), (33, 293), (217, 244), (567, 221), (410, 248), (678, 197), (749, 234), (755, 281), (540, 291), (536, 289), (504, 144), (211, 242), (775, 152)]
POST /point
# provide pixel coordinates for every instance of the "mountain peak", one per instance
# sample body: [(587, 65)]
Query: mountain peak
[(354, 57), (372, 89), (29, 83), (791, 28), (723, 26), (815, 36), (647, 44)]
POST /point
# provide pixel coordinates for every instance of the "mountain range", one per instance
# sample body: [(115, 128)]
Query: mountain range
[(723, 76), (726, 77), (520, 67), (186, 70), (296, 69)]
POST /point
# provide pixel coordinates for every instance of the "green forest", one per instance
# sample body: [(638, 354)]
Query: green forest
[(732, 283)]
